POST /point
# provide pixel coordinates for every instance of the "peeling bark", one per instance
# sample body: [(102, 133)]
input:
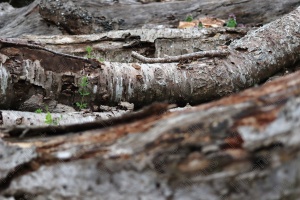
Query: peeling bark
[(244, 146), (241, 147), (30, 70), (116, 46)]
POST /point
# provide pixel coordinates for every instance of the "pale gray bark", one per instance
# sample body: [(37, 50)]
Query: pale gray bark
[(116, 46), (97, 16), (245, 146), (252, 59), (241, 147), (28, 119), (128, 15)]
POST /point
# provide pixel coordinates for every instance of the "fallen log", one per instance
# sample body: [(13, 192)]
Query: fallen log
[(29, 69), (49, 18), (235, 148), (105, 16)]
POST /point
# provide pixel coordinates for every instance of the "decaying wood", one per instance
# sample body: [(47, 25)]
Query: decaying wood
[(22, 42), (234, 148), (169, 59), (95, 17), (116, 46), (17, 118), (29, 131), (110, 15), (27, 20), (251, 60), (244, 146)]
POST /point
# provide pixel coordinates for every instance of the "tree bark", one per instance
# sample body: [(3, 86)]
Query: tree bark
[(116, 46), (30, 70), (244, 146), (241, 147), (97, 16), (26, 119), (109, 15)]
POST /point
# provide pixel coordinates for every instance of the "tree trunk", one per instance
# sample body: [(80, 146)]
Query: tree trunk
[(241, 147), (30, 70)]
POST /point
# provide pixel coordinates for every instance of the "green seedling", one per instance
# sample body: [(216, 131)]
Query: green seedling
[(189, 18), (200, 25), (83, 92), (89, 50), (231, 23), (52, 121), (39, 111), (48, 118)]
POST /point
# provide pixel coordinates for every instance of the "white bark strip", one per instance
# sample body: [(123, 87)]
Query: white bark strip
[(17, 118)]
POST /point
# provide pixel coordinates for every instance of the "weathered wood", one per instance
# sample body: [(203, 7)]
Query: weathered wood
[(244, 146), (28, 119), (252, 59), (105, 16), (19, 21), (116, 46), (53, 129), (191, 56), (235, 148), (98, 16)]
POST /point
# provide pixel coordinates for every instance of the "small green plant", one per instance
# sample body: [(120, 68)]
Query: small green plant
[(83, 92), (50, 120), (89, 50), (231, 23), (200, 25), (189, 18), (39, 111)]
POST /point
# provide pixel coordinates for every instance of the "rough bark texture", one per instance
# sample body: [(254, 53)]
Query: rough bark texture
[(241, 147), (29, 70), (75, 17), (12, 118), (244, 146), (26, 20), (110, 15), (116, 46)]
